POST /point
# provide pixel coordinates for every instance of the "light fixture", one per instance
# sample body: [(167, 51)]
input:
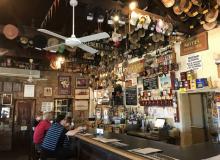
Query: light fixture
[(90, 16), (116, 18), (100, 19), (133, 5)]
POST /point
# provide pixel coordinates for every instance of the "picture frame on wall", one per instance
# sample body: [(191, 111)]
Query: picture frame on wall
[(81, 105), (29, 90), (81, 93), (6, 99), (82, 82), (48, 91), (17, 87), (7, 86), (64, 85)]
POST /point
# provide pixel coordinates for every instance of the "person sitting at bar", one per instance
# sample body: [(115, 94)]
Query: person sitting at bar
[(55, 141), (41, 129)]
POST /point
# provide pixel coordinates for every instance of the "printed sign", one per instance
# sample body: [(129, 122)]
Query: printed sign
[(135, 67), (194, 62), (194, 44)]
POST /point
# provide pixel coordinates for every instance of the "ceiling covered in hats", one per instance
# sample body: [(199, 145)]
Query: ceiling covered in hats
[(155, 24)]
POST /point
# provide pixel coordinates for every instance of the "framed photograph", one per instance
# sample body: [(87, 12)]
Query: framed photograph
[(6, 99), (4, 112), (81, 93), (81, 105), (16, 87), (82, 83), (48, 91), (7, 86), (64, 85), (29, 90)]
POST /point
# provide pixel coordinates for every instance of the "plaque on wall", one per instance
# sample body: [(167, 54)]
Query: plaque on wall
[(131, 96), (64, 85), (16, 87), (150, 83), (7, 86)]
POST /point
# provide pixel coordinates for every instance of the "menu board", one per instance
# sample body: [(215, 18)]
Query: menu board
[(150, 83), (131, 96)]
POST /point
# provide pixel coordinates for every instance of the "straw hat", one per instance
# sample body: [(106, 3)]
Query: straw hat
[(210, 26), (212, 15), (10, 31), (168, 3)]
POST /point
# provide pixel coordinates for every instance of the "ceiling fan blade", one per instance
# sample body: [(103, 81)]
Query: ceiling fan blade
[(94, 37), (53, 47), (87, 48), (52, 33)]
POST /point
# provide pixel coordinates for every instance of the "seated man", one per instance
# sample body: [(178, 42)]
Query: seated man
[(56, 139), (41, 129)]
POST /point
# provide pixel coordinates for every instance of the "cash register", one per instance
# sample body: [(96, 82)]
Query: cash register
[(160, 131)]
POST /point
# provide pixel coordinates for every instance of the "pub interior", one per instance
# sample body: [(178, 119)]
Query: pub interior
[(109, 80)]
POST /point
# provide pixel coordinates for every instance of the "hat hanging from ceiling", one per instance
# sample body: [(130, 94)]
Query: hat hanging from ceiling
[(134, 18), (160, 26), (40, 41), (197, 2), (176, 8), (212, 15), (10, 31), (168, 3), (23, 40), (210, 26), (52, 42)]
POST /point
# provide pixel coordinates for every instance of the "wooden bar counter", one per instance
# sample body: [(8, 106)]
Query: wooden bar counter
[(90, 149)]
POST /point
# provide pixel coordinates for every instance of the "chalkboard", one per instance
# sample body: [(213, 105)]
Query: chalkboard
[(131, 96), (150, 83)]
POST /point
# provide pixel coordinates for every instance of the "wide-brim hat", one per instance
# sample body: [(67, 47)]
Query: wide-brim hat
[(212, 15), (168, 3), (176, 8), (210, 26), (52, 42), (197, 2), (10, 31), (160, 25)]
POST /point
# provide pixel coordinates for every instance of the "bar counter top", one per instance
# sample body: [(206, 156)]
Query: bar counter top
[(194, 152)]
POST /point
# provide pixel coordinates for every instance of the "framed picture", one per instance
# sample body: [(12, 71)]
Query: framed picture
[(29, 90), (82, 83), (64, 85), (81, 93), (4, 112), (7, 86), (81, 105), (6, 99), (16, 87), (48, 91)]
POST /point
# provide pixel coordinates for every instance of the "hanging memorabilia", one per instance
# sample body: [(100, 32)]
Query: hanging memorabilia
[(81, 93), (6, 99), (64, 85), (48, 91), (82, 83)]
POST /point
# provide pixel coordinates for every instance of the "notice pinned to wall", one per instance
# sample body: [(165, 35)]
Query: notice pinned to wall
[(194, 62)]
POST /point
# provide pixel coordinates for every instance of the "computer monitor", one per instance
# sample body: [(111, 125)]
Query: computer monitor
[(159, 123), (99, 131)]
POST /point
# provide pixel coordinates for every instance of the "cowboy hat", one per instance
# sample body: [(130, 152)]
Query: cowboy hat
[(210, 26), (10, 31), (212, 15), (168, 3)]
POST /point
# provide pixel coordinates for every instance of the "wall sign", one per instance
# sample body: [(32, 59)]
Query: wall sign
[(131, 96), (64, 85), (194, 44), (194, 62), (29, 90), (135, 67), (150, 83)]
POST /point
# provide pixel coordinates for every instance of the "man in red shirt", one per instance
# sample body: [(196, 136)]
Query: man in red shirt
[(41, 129)]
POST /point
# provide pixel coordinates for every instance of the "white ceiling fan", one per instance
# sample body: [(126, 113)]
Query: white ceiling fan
[(73, 41)]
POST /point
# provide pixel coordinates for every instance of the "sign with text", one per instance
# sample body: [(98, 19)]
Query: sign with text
[(194, 62), (135, 67), (194, 44)]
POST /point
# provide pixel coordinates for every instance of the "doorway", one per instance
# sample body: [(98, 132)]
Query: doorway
[(198, 118), (24, 111)]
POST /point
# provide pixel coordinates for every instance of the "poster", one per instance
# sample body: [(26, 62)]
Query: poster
[(194, 62), (47, 107), (64, 85), (29, 90), (81, 105)]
